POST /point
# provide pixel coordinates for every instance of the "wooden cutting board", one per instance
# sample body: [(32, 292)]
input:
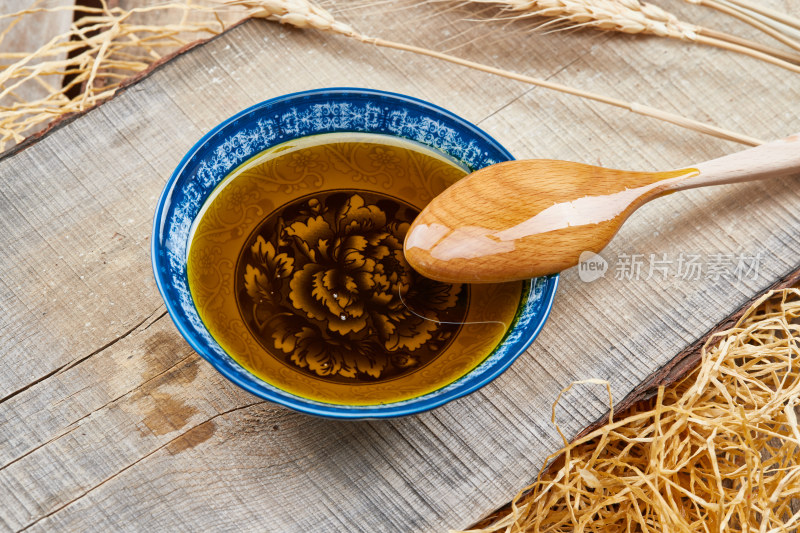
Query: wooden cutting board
[(109, 421)]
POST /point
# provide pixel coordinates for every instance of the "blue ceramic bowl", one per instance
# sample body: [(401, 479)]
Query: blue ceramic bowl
[(297, 115)]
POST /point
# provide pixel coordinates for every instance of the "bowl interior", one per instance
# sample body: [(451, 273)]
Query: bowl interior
[(298, 115)]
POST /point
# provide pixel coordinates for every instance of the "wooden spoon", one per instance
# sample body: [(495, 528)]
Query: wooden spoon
[(522, 219)]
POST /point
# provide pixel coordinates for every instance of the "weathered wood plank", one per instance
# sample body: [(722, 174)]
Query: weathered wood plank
[(119, 425)]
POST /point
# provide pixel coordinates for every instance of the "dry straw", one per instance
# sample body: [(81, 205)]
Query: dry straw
[(107, 46), (717, 451), (102, 48)]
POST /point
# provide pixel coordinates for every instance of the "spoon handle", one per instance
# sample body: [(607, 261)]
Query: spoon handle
[(777, 158)]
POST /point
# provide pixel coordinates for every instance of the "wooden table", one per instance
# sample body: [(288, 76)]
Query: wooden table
[(109, 421)]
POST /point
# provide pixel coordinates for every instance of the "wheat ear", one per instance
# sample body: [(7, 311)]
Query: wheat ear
[(306, 15), (297, 13), (118, 50), (634, 16)]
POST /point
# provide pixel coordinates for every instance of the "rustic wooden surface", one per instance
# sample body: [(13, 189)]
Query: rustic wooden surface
[(109, 421)]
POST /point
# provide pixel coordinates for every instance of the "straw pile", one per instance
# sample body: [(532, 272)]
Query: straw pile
[(717, 451)]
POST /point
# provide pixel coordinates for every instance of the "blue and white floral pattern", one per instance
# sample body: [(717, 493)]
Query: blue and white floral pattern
[(298, 115)]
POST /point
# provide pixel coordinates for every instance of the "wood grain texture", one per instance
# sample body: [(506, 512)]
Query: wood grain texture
[(108, 420)]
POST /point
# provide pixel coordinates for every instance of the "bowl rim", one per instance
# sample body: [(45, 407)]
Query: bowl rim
[(298, 403)]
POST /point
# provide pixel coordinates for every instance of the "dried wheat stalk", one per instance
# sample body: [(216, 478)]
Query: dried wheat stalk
[(771, 14), (105, 60), (309, 15), (635, 16), (717, 451), (297, 13), (747, 17), (627, 16)]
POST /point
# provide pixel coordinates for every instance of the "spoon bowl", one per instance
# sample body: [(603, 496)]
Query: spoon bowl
[(568, 208)]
